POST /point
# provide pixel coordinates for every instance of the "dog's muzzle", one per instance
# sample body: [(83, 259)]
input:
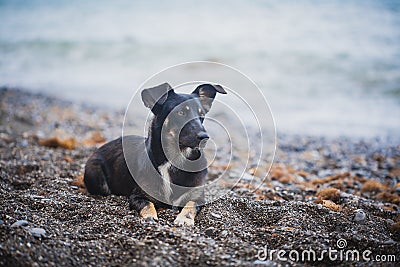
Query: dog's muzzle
[(202, 138)]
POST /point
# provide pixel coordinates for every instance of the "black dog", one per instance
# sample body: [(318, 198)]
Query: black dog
[(141, 168)]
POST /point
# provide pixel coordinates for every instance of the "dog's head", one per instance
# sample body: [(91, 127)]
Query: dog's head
[(181, 115)]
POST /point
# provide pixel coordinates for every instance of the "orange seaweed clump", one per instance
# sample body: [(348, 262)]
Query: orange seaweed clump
[(282, 173), (394, 172), (331, 178), (397, 186), (390, 207), (68, 159), (66, 141), (372, 186), (388, 197), (329, 193), (78, 181), (54, 142), (303, 174), (223, 167), (94, 139), (329, 204)]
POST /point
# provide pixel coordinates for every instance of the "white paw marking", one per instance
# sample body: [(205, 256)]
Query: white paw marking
[(149, 212), (184, 220)]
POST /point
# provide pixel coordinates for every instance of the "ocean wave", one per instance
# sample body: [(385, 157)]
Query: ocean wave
[(337, 57)]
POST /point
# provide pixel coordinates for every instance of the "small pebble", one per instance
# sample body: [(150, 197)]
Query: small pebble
[(359, 216), (36, 197), (37, 232), (277, 185), (389, 222), (20, 223), (24, 143), (209, 231), (346, 195), (216, 215), (389, 242), (247, 177), (264, 262)]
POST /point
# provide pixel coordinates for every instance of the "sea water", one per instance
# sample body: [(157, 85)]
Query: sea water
[(328, 68)]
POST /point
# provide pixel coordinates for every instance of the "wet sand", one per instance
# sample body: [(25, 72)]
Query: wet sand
[(319, 191)]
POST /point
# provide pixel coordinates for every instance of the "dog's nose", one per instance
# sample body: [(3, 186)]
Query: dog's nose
[(202, 136)]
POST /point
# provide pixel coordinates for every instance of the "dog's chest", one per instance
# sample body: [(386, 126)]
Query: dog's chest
[(179, 186), (166, 179)]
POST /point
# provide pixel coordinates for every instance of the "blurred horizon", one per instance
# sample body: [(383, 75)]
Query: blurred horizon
[(327, 68)]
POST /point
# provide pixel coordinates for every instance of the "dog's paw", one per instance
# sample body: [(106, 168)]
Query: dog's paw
[(187, 214), (150, 220), (149, 213), (184, 220)]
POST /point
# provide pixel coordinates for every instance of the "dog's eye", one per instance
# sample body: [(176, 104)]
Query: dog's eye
[(181, 112), (201, 114)]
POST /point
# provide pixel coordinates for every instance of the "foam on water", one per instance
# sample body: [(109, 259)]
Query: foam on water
[(327, 68)]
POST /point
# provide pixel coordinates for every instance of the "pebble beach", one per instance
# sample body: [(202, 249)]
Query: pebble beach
[(319, 192)]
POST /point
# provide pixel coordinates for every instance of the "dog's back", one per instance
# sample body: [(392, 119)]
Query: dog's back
[(106, 171)]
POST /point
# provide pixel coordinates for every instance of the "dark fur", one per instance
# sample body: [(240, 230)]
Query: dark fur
[(106, 171)]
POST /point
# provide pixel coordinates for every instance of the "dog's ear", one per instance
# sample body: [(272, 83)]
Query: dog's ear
[(206, 92), (155, 95)]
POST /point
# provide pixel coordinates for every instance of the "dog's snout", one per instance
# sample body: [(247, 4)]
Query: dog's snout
[(202, 136)]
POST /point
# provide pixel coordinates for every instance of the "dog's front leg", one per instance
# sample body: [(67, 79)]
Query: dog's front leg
[(187, 214), (144, 207)]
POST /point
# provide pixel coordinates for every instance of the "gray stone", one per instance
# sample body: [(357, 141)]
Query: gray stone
[(20, 223), (216, 215), (359, 216), (209, 231), (37, 232)]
